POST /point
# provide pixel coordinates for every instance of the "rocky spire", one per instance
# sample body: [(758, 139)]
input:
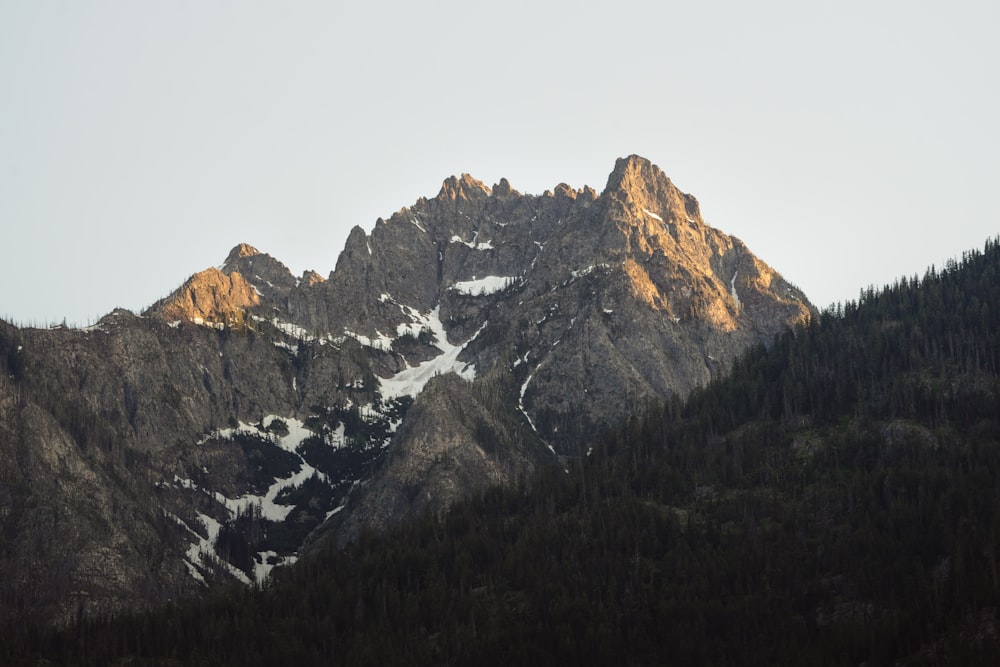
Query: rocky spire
[(643, 186), (635, 173), (504, 189), (464, 187), (240, 251)]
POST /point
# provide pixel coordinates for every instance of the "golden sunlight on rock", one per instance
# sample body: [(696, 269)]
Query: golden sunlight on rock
[(642, 285), (213, 297)]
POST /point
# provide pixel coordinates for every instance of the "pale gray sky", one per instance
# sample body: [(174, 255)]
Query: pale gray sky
[(847, 143)]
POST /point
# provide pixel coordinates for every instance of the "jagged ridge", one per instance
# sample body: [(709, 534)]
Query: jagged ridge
[(565, 311)]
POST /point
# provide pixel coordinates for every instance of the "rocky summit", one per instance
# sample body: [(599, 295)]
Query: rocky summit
[(467, 340)]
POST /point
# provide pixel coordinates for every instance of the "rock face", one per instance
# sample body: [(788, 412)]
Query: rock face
[(467, 340), (210, 296), (456, 440)]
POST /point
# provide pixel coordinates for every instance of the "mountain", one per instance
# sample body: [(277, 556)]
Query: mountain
[(479, 337), (832, 500)]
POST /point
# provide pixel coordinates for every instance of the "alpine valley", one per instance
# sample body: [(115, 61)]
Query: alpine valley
[(474, 339)]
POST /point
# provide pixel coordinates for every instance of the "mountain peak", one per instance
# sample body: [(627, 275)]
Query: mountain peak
[(462, 187), (208, 296), (504, 189), (644, 188), (635, 173), (242, 250)]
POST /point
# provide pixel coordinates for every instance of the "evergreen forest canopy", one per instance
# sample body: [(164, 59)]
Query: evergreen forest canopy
[(834, 500)]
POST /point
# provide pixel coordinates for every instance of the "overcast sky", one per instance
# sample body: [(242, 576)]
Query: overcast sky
[(847, 143)]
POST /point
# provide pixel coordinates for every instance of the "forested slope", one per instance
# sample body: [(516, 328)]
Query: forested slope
[(835, 500)]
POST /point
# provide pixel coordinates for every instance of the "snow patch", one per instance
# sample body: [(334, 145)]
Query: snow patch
[(291, 330), (472, 244), (652, 215), (732, 290), (204, 547), (335, 510), (337, 439), (265, 561), (211, 325), (411, 381), (203, 550), (520, 400), (483, 286), (590, 269), (379, 342)]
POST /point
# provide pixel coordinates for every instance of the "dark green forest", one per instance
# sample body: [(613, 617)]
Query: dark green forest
[(835, 500)]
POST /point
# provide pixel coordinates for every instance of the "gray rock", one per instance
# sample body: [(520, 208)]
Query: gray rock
[(140, 458)]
